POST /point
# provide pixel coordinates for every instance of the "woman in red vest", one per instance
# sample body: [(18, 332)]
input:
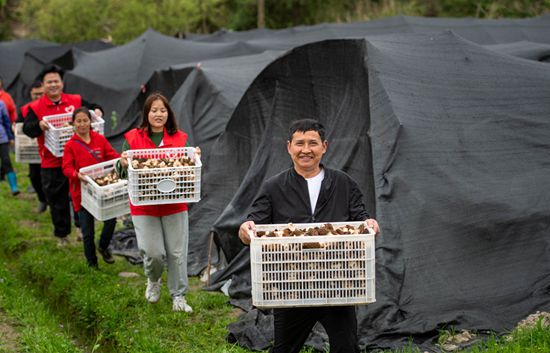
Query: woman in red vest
[(162, 231), (85, 148)]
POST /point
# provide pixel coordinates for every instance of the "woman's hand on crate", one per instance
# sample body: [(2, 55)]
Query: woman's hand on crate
[(43, 125), (197, 154), (373, 224), (124, 159), (246, 229), (82, 178)]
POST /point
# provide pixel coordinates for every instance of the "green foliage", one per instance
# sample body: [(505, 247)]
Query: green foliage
[(118, 20), (495, 8), (123, 20)]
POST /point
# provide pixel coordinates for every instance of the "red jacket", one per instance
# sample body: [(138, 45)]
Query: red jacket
[(43, 107), (138, 139), (77, 156), (25, 110), (10, 105)]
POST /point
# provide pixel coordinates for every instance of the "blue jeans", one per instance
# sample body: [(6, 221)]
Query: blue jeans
[(87, 226)]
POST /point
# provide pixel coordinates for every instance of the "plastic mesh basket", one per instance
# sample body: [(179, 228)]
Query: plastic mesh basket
[(26, 148), (60, 131), (328, 270), (154, 186), (108, 201)]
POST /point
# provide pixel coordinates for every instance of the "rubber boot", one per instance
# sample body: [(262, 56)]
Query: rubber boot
[(12, 180)]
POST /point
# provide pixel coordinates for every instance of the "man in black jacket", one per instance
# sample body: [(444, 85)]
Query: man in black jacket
[(309, 193)]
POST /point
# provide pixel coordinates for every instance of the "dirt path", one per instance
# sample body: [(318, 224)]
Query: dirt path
[(8, 335)]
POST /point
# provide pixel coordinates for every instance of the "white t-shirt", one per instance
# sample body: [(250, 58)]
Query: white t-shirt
[(314, 187)]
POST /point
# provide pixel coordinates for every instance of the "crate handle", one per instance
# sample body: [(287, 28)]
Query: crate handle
[(315, 246), (171, 154), (166, 185)]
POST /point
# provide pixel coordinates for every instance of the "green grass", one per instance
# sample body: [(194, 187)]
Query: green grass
[(57, 304)]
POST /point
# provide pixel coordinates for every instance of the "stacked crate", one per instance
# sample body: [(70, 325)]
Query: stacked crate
[(26, 148)]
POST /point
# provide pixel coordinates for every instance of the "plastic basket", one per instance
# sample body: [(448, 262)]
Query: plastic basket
[(155, 186), (330, 270), (60, 131), (108, 201), (26, 148)]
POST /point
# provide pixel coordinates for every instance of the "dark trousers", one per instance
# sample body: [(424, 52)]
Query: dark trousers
[(87, 226), (56, 188), (36, 181), (293, 326), (5, 158)]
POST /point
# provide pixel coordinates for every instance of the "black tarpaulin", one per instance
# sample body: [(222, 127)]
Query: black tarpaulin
[(449, 142), (117, 78), (523, 49), (11, 57), (481, 31), (36, 58), (203, 105)]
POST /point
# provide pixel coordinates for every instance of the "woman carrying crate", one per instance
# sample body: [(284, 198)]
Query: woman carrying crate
[(86, 147), (162, 230)]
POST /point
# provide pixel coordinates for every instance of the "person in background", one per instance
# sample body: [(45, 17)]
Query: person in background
[(36, 92), (309, 192), (8, 101), (162, 231), (10, 107), (6, 139), (85, 148), (54, 183)]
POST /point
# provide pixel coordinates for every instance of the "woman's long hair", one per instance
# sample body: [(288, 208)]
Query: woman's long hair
[(171, 124)]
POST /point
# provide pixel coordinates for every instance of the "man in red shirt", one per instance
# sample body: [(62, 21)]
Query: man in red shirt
[(8, 101), (54, 183)]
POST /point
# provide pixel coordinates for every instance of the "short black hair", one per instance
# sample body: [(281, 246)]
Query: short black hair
[(51, 69), (304, 125), (36, 84)]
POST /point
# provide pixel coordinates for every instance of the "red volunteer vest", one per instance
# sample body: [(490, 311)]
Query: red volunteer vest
[(139, 139), (43, 107), (25, 110)]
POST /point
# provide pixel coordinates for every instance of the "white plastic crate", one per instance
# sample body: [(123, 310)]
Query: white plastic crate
[(26, 148), (329, 270), (60, 131), (108, 201), (155, 186)]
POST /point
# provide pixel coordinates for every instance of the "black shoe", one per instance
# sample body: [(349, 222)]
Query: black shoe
[(106, 255), (16, 192), (93, 265), (42, 207)]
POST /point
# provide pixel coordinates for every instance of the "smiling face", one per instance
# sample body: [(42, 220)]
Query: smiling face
[(306, 150), (82, 124), (157, 116), (53, 86)]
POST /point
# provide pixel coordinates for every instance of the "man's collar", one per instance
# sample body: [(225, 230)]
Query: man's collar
[(51, 102)]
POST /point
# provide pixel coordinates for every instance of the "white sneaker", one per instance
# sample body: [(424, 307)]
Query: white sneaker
[(152, 293), (180, 304)]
